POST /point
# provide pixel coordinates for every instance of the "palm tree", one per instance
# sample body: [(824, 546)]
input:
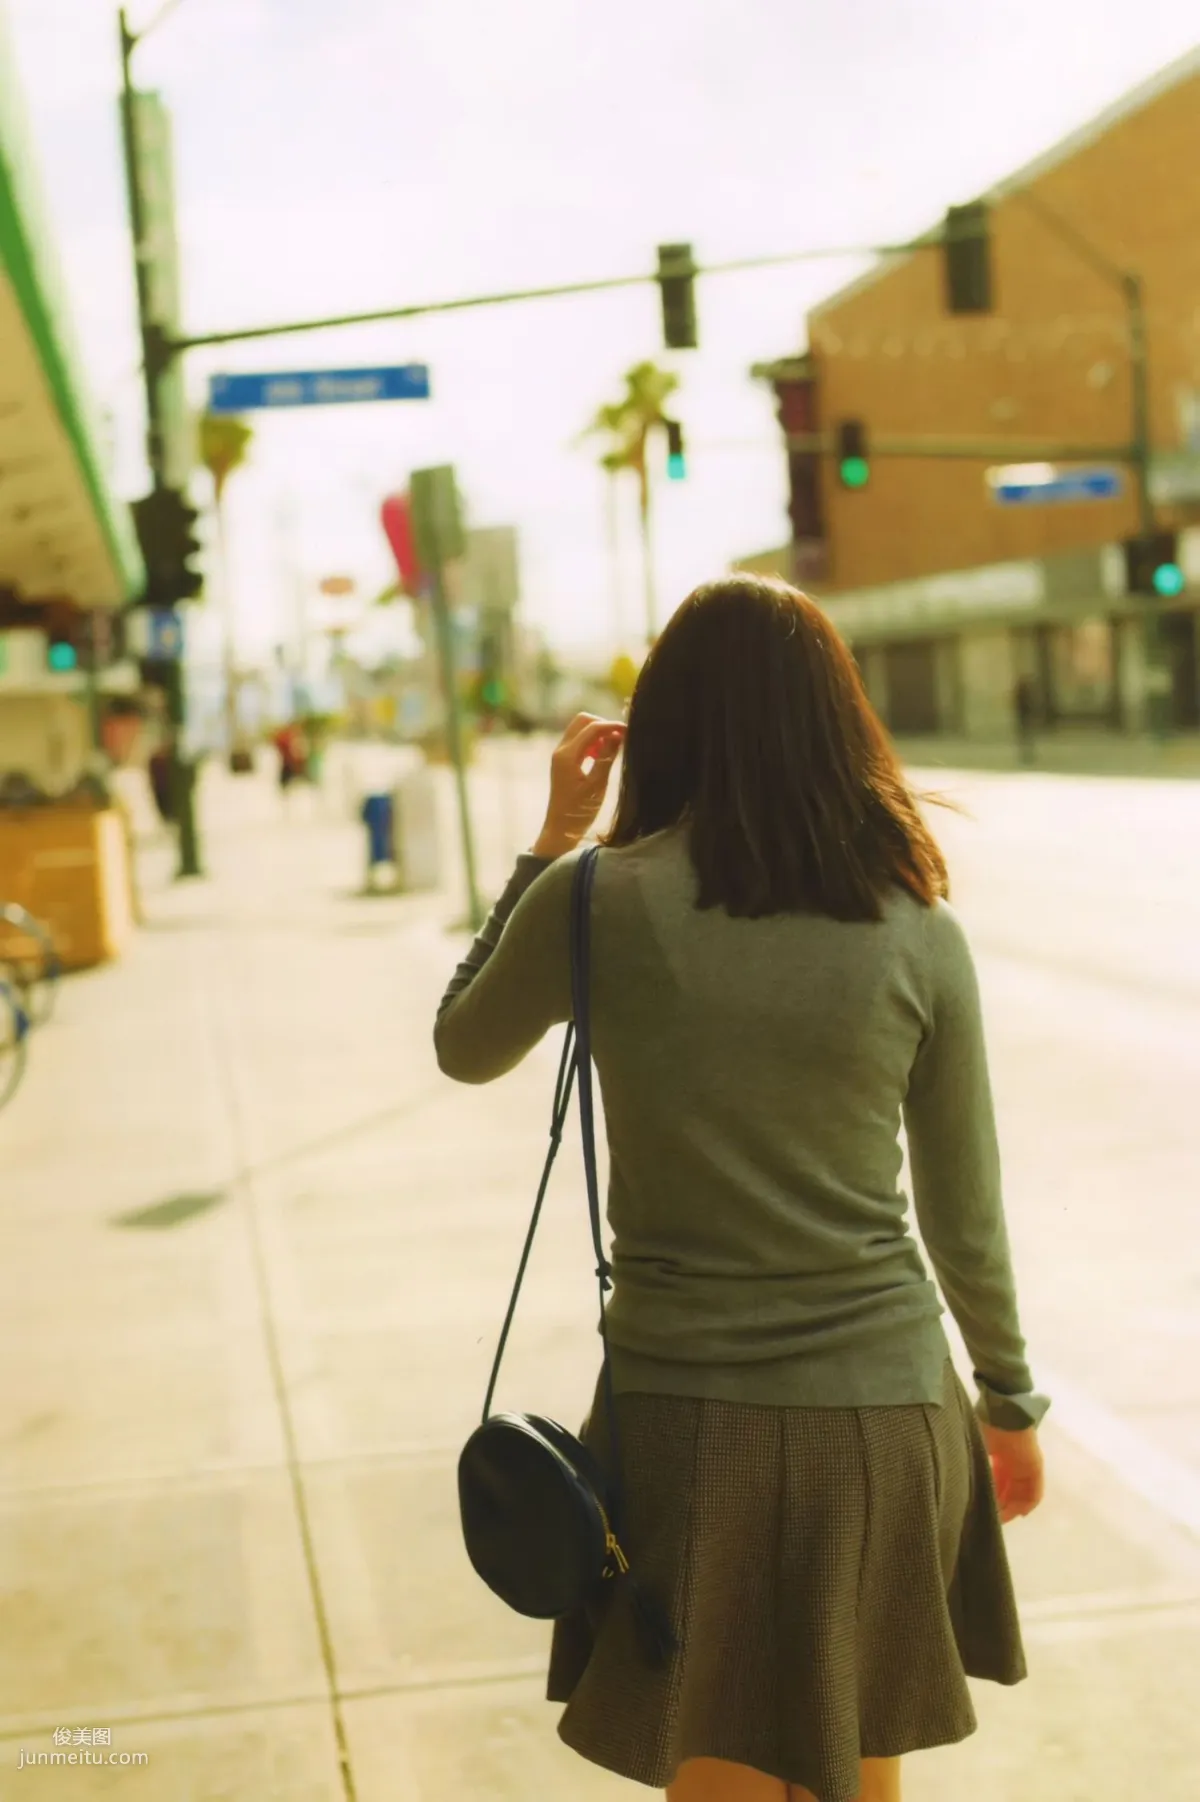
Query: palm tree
[(224, 444), (627, 424), (609, 422)]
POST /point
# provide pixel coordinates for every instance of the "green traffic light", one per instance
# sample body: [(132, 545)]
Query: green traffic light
[(1168, 579), (855, 472), (62, 657), (676, 468)]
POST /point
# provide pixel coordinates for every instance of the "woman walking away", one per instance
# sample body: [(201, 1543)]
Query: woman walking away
[(777, 979)]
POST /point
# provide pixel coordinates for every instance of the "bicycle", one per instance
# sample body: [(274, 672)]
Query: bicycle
[(14, 1042), (33, 974)]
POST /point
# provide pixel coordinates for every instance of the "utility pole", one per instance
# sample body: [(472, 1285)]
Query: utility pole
[(1153, 638), (1140, 383), (155, 356), (1130, 284)]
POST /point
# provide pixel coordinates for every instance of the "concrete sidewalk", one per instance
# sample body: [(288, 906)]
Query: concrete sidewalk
[(256, 1252)]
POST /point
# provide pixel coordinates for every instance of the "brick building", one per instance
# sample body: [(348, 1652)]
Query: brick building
[(1049, 365)]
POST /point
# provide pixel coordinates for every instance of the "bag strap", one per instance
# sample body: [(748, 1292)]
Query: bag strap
[(575, 1061), (562, 1103), (581, 945)]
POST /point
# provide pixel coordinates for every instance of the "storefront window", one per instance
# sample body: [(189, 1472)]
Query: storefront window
[(1083, 669)]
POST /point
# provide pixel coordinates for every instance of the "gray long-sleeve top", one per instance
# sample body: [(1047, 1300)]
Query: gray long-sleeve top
[(754, 1074)]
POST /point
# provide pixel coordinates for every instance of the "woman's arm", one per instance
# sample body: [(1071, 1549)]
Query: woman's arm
[(957, 1195), (529, 867), (514, 984), (515, 981)]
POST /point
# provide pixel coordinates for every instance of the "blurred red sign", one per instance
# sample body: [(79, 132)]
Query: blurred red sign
[(396, 515)]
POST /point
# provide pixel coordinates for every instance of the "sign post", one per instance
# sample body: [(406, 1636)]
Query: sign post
[(427, 536)]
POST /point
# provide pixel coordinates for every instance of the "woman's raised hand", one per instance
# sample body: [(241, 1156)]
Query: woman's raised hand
[(579, 771)]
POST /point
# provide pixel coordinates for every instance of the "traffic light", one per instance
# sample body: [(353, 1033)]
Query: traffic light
[(68, 635), (854, 467), (62, 650), (677, 285), (966, 246), (166, 529), (676, 460), (1152, 565)]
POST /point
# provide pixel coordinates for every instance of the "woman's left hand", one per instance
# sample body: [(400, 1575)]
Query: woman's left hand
[(579, 771)]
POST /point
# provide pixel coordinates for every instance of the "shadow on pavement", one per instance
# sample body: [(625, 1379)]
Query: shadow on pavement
[(171, 1212)]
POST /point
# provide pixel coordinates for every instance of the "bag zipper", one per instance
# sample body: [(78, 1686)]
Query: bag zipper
[(613, 1549)]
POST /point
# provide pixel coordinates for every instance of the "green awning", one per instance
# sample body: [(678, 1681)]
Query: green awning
[(62, 533)]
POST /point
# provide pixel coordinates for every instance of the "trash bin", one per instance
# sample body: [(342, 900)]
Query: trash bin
[(378, 816), (418, 862)]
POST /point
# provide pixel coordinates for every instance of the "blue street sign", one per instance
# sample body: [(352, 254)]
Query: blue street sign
[(1017, 487), (316, 388), (164, 635)]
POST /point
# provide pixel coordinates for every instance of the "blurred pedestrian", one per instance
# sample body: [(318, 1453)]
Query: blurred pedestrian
[(292, 747), (315, 737), (777, 979), (1025, 710), (158, 769)]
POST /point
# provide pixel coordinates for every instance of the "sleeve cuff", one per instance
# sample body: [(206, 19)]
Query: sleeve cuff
[(1010, 1413)]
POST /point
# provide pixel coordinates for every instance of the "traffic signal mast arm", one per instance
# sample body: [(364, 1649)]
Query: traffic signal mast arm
[(963, 243), (197, 341)]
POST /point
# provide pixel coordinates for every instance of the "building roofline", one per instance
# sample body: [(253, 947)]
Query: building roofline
[(1184, 68)]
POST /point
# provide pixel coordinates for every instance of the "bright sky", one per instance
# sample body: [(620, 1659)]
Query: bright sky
[(336, 157)]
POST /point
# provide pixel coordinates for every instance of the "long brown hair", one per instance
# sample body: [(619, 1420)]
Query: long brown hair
[(750, 725)]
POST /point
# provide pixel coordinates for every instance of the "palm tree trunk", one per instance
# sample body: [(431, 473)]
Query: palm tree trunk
[(613, 527), (648, 554)]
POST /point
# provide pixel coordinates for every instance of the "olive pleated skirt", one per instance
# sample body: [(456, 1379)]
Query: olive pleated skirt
[(833, 1576)]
